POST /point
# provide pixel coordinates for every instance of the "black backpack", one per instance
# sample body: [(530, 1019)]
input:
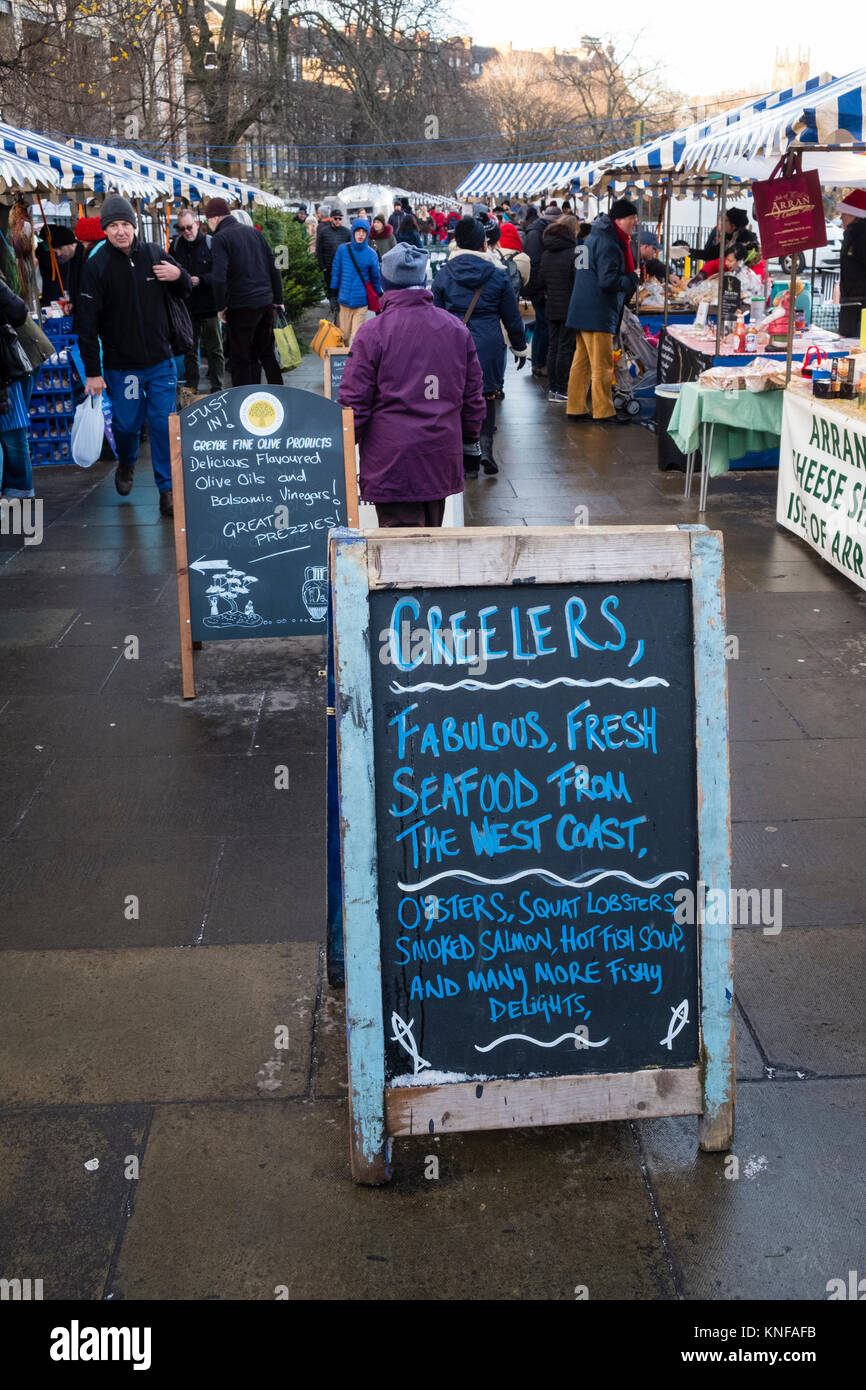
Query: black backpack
[(514, 275)]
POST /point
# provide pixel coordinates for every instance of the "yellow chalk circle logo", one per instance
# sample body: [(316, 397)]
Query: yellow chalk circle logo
[(262, 413)]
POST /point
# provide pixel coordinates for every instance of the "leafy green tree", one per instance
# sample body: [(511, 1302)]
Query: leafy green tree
[(302, 279)]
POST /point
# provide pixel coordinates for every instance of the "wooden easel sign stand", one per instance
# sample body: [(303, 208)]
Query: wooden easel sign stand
[(533, 781), (260, 475)]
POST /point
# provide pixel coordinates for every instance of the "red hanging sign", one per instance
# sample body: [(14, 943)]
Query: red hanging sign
[(790, 213)]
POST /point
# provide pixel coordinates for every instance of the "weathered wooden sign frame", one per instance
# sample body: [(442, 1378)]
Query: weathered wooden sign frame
[(187, 645), (364, 561), (329, 353)]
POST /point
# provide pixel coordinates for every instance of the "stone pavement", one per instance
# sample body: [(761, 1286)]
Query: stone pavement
[(144, 1038)]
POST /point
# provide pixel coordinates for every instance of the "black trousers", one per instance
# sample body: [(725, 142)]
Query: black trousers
[(488, 429), (411, 513), (559, 354), (251, 341)]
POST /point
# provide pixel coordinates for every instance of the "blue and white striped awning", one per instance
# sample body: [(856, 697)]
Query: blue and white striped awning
[(831, 114), (16, 172), (218, 185), (178, 180), (517, 180), (662, 154), (46, 163)]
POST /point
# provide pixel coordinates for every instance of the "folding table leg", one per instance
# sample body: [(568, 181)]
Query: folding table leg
[(690, 470), (705, 469)]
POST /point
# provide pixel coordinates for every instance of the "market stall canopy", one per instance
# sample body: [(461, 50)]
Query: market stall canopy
[(830, 115), (50, 164), (663, 153), (371, 193), (176, 180), (518, 180), (25, 173)]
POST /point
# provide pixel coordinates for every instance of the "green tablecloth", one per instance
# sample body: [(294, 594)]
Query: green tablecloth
[(745, 422)]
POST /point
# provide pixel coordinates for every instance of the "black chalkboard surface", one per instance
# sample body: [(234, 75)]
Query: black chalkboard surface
[(536, 810), (335, 362), (264, 475)]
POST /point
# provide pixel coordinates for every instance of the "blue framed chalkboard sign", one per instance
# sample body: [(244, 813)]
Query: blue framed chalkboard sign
[(534, 810), (260, 474)]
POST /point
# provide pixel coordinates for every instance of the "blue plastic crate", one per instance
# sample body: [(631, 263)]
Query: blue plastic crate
[(57, 326)]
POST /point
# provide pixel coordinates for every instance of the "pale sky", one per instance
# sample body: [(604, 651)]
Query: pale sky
[(699, 55)]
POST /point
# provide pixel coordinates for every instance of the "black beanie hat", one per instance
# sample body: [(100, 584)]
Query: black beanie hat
[(60, 236), (469, 234), (622, 208)]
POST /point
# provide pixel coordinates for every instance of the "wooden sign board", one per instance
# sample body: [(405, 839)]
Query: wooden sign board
[(335, 361), (259, 476), (533, 778)]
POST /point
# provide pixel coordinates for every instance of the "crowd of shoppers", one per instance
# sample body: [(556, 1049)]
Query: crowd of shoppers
[(503, 268)]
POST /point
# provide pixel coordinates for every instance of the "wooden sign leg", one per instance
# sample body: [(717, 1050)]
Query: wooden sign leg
[(181, 561), (364, 1022), (716, 1129), (333, 887), (351, 466)]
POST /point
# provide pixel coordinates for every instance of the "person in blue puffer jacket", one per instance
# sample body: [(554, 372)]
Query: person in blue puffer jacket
[(355, 266), (467, 270)]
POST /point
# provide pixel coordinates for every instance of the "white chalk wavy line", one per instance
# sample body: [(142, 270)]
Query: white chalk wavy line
[(584, 880), (630, 683), (524, 1037)]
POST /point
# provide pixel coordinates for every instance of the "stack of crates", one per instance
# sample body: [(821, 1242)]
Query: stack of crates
[(52, 403)]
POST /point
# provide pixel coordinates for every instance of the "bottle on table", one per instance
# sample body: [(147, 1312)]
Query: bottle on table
[(740, 331)]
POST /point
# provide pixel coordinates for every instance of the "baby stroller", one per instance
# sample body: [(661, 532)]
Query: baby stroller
[(634, 366)]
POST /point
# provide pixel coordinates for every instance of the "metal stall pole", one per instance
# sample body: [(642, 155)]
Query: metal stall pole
[(722, 210), (791, 163), (639, 217), (667, 251)]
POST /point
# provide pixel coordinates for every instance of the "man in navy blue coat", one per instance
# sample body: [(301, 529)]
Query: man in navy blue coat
[(605, 278), (467, 270)]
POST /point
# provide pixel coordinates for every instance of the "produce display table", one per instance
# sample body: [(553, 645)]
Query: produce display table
[(683, 355), (724, 425), (822, 478)]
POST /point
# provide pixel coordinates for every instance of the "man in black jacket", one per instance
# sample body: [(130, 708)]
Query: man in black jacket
[(192, 249), (247, 288), (124, 303), (330, 235), (532, 245)]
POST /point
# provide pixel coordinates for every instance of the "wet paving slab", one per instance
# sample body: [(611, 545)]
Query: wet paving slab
[(235, 1201)]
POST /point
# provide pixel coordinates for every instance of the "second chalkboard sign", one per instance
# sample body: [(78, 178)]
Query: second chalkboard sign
[(260, 476), (335, 363)]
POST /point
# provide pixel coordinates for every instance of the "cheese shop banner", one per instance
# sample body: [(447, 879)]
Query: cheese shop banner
[(822, 482)]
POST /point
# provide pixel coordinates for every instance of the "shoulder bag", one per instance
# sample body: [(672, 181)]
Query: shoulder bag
[(180, 331), (14, 362), (35, 342), (472, 303), (373, 300)]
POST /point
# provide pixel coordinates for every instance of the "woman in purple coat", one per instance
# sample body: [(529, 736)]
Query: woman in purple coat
[(414, 383)]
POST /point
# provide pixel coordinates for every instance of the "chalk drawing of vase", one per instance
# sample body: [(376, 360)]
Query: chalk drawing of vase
[(314, 591)]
